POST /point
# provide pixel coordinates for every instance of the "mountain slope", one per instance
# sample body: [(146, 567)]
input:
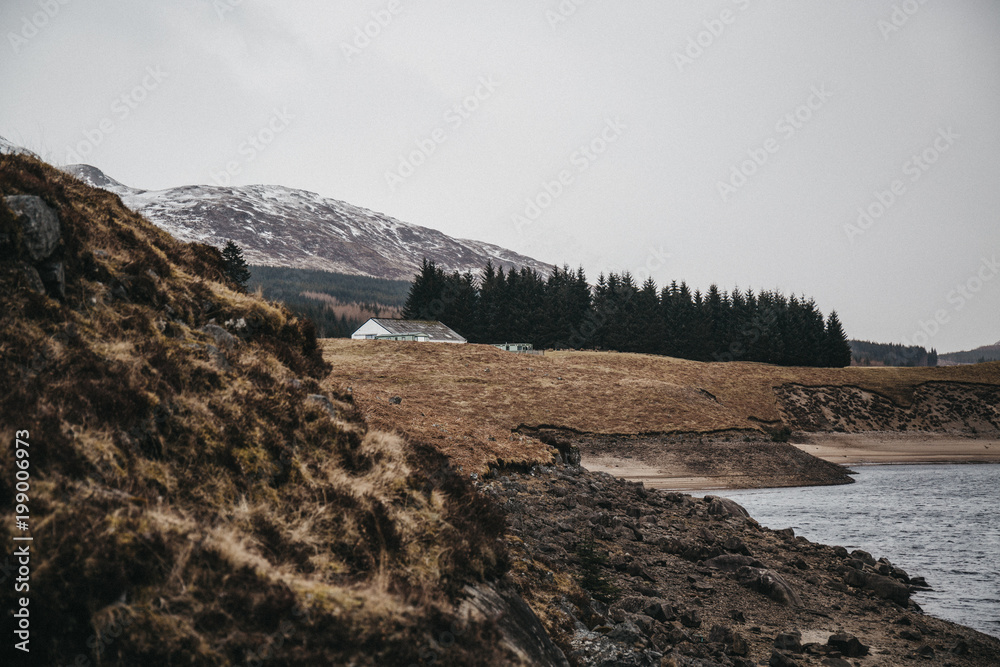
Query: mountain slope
[(982, 353), (279, 226)]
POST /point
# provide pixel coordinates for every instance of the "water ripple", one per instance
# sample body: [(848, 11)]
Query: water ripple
[(935, 521)]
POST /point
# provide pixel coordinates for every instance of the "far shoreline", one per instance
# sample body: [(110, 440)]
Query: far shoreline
[(844, 449), (897, 447)]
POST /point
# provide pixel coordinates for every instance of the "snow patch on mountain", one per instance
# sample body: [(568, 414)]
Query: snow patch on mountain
[(280, 226)]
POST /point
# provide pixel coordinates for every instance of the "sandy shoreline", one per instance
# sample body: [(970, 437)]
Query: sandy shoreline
[(652, 477), (848, 449), (873, 448)]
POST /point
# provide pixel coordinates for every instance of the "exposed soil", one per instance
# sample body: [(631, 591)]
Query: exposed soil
[(692, 581), (906, 447), (724, 460), (945, 407)]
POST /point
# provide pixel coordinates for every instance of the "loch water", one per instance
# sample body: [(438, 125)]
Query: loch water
[(941, 522)]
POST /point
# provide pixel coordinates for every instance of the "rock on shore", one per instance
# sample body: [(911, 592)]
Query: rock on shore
[(621, 574)]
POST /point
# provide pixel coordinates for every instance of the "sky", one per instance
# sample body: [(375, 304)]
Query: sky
[(846, 151)]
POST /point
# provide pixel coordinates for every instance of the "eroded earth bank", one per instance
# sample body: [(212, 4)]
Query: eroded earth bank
[(825, 427)]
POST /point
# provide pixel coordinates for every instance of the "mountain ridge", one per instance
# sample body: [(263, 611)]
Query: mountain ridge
[(984, 352), (281, 226)]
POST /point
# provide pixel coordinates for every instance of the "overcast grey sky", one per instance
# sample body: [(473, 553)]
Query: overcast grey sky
[(731, 141)]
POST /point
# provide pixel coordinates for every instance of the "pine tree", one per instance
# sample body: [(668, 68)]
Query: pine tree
[(234, 265), (425, 300), (649, 318), (489, 296), (838, 350)]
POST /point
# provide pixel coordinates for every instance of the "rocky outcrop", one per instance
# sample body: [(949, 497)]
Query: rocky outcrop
[(888, 582), (32, 239), (944, 407), (522, 633), (769, 583), (724, 507), (39, 225)]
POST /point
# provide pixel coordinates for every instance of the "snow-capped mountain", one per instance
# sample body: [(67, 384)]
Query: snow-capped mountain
[(279, 226)]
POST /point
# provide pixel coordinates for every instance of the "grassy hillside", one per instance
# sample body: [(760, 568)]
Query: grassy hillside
[(196, 496), (467, 399)]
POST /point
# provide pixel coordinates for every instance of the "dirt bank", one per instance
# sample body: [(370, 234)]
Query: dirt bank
[(957, 408), (724, 460)]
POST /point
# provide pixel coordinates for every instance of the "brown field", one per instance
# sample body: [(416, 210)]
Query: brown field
[(466, 399)]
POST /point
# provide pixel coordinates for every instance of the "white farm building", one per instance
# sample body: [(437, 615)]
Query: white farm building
[(423, 331)]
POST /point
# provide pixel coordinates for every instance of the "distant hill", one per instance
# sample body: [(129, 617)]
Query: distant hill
[(867, 353), (976, 356), (280, 226)]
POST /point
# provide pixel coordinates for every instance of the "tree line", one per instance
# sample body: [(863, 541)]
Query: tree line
[(867, 353), (978, 356), (361, 296), (563, 311)]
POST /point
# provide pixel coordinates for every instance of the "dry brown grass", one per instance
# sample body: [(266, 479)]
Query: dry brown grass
[(206, 505), (466, 399)]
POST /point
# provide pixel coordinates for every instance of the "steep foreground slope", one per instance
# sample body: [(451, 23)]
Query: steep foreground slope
[(195, 497), (279, 226)]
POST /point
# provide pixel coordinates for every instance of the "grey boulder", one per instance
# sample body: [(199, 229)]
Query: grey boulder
[(39, 225)]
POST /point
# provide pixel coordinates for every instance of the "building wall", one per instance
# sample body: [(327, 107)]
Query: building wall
[(369, 328)]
